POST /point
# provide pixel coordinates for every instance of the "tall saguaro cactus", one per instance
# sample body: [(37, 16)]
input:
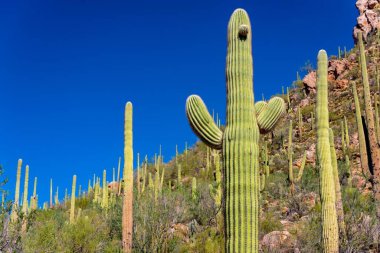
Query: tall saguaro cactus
[(373, 144), (72, 207), (127, 222), (362, 139), (338, 194), (26, 181), (330, 237), (15, 206), (240, 139)]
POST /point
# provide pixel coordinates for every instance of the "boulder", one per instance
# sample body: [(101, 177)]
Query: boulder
[(278, 241), (310, 81)]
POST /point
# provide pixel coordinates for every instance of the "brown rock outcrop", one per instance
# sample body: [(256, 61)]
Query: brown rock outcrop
[(369, 18)]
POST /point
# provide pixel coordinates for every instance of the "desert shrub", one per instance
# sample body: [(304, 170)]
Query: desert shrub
[(268, 223), (203, 208), (309, 232), (153, 219), (361, 223), (310, 179), (89, 233), (277, 187), (44, 231), (207, 241)]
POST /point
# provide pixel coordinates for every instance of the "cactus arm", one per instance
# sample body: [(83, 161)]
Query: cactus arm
[(300, 172), (262, 182), (202, 123), (330, 238), (259, 106), (270, 113)]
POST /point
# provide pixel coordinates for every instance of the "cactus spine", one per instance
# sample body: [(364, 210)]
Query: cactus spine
[(338, 194), (127, 222), (26, 181), (15, 206), (72, 207), (362, 140), (373, 144), (330, 238), (240, 139)]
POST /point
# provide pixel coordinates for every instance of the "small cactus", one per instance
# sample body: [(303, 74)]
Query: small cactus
[(72, 207), (194, 188), (26, 182), (15, 206)]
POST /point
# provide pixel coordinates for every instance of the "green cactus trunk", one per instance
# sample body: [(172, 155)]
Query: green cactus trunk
[(373, 144), (338, 194), (127, 219), (105, 191), (290, 157), (377, 121), (194, 188), (15, 206), (56, 197), (362, 140), (138, 176), (179, 176), (26, 182), (34, 203), (330, 237), (72, 207), (240, 139), (346, 132)]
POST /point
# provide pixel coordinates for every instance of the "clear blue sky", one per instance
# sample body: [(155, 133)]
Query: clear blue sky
[(67, 68)]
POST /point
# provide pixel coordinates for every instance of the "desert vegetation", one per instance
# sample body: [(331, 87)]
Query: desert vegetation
[(297, 173)]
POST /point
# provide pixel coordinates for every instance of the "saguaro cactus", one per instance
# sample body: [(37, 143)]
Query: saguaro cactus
[(105, 190), (338, 194), (330, 237), (15, 206), (34, 203), (362, 140), (26, 181), (127, 222), (72, 207), (240, 139), (373, 144), (293, 180), (194, 188)]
